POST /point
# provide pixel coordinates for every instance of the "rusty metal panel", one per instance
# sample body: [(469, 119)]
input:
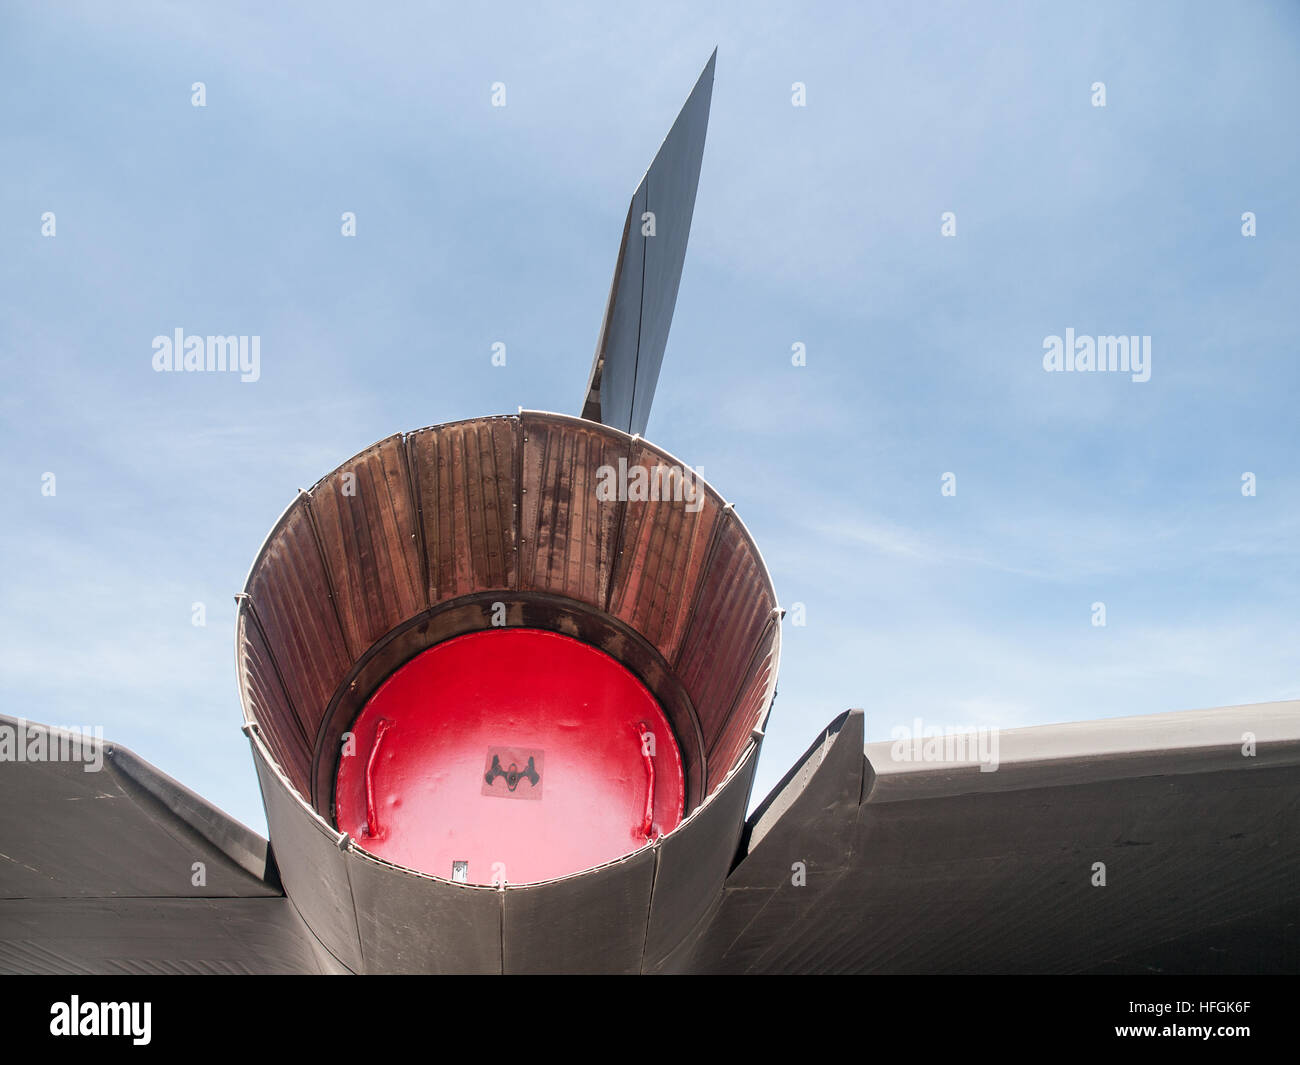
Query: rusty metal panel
[(662, 554), (291, 595), (594, 922), (365, 521), (266, 702), (568, 535), (751, 704), (465, 493), (734, 605)]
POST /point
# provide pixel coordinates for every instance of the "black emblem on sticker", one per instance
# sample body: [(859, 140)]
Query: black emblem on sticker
[(514, 774), (520, 770)]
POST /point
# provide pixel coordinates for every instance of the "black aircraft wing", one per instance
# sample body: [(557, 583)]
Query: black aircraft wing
[(109, 866), (1168, 842)]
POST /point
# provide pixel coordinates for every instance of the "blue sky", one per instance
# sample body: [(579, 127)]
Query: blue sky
[(818, 225)]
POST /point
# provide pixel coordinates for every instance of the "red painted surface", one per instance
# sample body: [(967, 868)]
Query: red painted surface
[(451, 743)]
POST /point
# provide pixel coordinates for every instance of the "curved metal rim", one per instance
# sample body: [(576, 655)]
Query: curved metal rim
[(260, 750), (380, 646), (749, 750)]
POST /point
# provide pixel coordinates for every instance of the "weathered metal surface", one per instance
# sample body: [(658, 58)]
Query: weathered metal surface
[(312, 868), (266, 701), (693, 865), (538, 502), (466, 476), (1079, 752), (295, 609), (365, 524), (634, 333), (663, 550), (98, 870), (436, 534), (154, 936), (752, 703), (593, 922), (568, 535), (942, 868), (94, 820), (411, 923), (1267, 942), (717, 654), (851, 865)]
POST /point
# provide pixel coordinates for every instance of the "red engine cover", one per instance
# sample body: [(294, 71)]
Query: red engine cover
[(526, 754)]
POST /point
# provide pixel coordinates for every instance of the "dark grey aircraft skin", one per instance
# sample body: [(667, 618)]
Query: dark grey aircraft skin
[(909, 869), (1161, 843)]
